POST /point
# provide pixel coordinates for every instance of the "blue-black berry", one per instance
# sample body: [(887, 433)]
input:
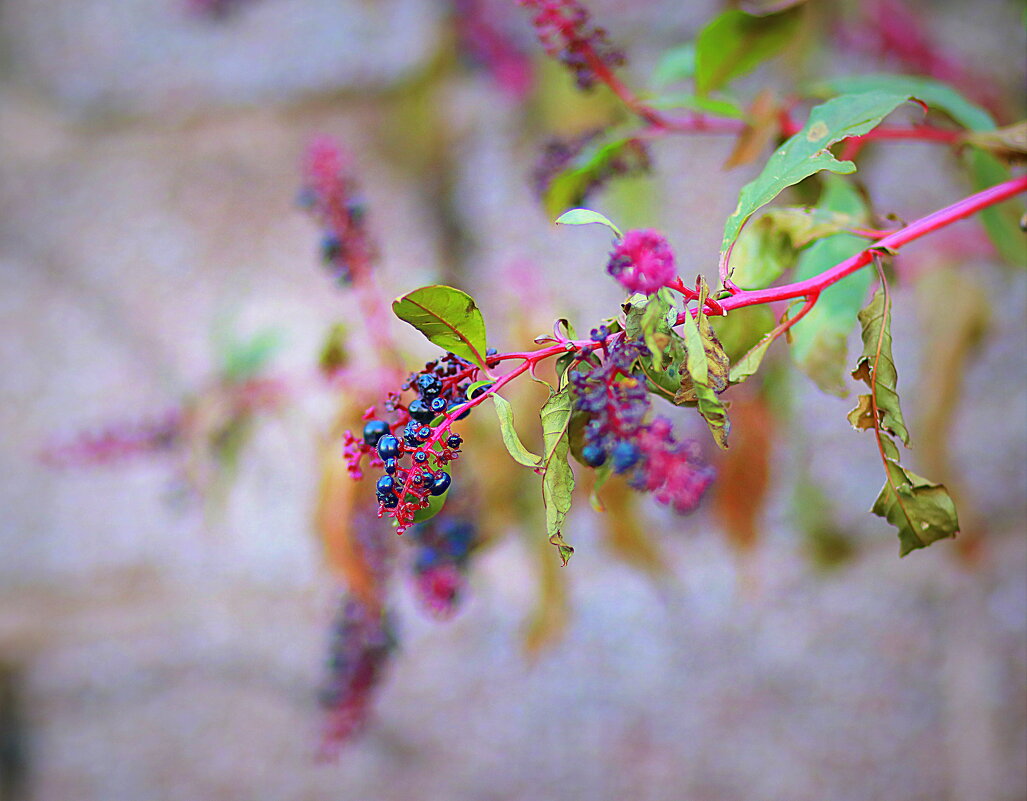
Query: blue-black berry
[(388, 447), (420, 411), (593, 455), (441, 483), (438, 406), (424, 432), (420, 457), (428, 385), (390, 466), (385, 484), (374, 430), (624, 456), (389, 501), (331, 247), (454, 440)]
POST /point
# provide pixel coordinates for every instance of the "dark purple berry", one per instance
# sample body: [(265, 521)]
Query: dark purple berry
[(454, 441), (385, 484), (441, 483), (593, 455), (438, 405), (625, 455), (428, 385), (420, 457), (388, 447), (374, 430), (424, 432), (420, 411), (389, 501), (390, 466), (331, 247)]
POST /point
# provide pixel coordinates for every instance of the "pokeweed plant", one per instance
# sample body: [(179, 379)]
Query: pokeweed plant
[(664, 342)]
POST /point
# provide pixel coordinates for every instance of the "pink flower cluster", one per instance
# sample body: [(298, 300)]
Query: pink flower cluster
[(564, 31), (674, 473), (643, 262)]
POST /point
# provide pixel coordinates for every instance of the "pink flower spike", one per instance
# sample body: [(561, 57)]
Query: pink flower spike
[(643, 262)]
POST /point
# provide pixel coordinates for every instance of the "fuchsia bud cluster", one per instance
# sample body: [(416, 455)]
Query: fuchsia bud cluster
[(614, 403), (643, 262), (331, 194), (563, 28), (444, 546)]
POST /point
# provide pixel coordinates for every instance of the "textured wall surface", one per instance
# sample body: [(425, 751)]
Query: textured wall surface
[(150, 161)]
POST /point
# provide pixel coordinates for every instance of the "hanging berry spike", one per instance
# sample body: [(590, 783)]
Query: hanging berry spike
[(413, 454), (563, 27)]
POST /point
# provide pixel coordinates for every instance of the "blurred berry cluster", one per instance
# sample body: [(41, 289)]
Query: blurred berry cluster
[(612, 404), (330, 193), (592, 164), (443, 547), (563, 28)]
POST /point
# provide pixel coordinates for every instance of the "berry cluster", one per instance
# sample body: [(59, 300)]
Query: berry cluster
[(560, 155), (362, 640), (330, 193), (414, 448), (643, 262), (563, 29), (117, 442), (444, 546), (613, 402)]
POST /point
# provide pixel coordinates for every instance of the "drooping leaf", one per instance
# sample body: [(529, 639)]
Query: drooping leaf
[(876, 367), (807, 152), (932, 92), (557, 476), (735, 43), (764, 122), (514, 446), (587, 217), (706, 364), (448, 317), (922, 511), (819, 340)]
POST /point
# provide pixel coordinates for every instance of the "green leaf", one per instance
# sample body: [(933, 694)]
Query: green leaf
[(676, 64), (448, 317), (742, 329), (1001, 222), (648, 318), (934, 93), (557, 476), (596, 163), (876, 367), (921, 510), (435, 504), (750, 362), (819, 340), (504, 411), (735, 43), (807, 152), (587, 217), (707, 367)]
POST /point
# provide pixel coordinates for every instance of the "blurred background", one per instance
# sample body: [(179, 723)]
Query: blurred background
[(164, 631)]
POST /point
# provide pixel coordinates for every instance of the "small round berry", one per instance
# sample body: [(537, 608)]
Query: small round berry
[(424, 432), (625, 455), (593, 455), (420, 457), (388, 447), (331, 247), (420, 411), (390, 466), (454, 440), (479, 390), (428, 385), (385, 484), (389, 501), (374, 430), (441, 483), (438, 405)]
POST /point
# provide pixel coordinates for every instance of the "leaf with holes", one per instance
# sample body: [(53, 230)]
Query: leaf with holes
[(876, 367)]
